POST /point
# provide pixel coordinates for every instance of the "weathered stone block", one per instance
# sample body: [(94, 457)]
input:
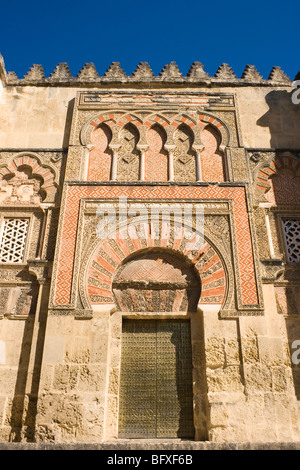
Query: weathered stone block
[(225, 379), (250, 350), (258, 378), (92, 378), (215, 352)]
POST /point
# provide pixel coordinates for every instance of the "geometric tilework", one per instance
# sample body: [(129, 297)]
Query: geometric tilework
[(70, 219)]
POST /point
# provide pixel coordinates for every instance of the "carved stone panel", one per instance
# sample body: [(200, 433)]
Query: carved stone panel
[(128, 155), (184, 157)]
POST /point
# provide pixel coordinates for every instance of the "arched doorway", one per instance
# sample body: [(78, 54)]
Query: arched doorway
[(156, 383)]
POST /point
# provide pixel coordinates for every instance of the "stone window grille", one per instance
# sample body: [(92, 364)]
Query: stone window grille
[(12, 240), (291, 230)]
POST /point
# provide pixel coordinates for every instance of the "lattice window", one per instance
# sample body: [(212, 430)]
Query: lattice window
[(291, 229), (12, 240)]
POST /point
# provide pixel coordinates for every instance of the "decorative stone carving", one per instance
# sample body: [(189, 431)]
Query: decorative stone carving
[(212, 161), (278, 75), (12, 77), (256, 157), (21, 188), (13, 239), (225, 72), (115, 71), (196, 71), (156, 158), (170, 70), (251, 74), (128, 155), (25, 180), (88, 72), (61, 72), (36, 72), (143, 70)]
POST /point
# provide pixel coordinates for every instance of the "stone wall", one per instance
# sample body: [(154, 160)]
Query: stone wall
[(223, 147)]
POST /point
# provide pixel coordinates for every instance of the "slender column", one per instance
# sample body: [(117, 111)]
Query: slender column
[(45, 209), (142, 165), (87, 151), (266, 206), (114, 166), (170, 149), (114, 161), (171, 166), (198, 167), (198, 149)]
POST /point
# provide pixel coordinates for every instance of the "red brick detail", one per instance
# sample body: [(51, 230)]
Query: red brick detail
[(98, 275), (37, 169), (210, 271), (98, 291), (245, 260), (212, 165), (280, 181), (99, 165), (156, 159)]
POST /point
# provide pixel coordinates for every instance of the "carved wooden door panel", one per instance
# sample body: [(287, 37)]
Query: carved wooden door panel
[(156, 398)]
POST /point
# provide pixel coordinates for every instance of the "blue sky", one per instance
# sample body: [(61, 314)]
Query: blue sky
[(258, 33)]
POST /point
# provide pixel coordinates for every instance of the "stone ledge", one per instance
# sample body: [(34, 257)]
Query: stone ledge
[(148, 445)]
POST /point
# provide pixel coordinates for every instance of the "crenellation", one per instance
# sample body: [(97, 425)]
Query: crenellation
[(278, 75), (36, 72), (170, 72), (88, 72), (225, 72), (143, 71), (251, 74), (115, 71)]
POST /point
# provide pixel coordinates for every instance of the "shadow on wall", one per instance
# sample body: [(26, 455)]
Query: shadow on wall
[(293, 331), (24, 404), (283, 119)]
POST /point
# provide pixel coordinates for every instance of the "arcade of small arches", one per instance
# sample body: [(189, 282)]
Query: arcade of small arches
[(155, 148)]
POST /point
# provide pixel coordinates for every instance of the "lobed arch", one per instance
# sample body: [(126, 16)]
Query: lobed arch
[(161, 166), (114, 119), (268, 174), (205, 119), (46, 174), (121, 118)]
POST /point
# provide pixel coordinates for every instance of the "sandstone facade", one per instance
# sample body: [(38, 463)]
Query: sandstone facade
[(97, 175)]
